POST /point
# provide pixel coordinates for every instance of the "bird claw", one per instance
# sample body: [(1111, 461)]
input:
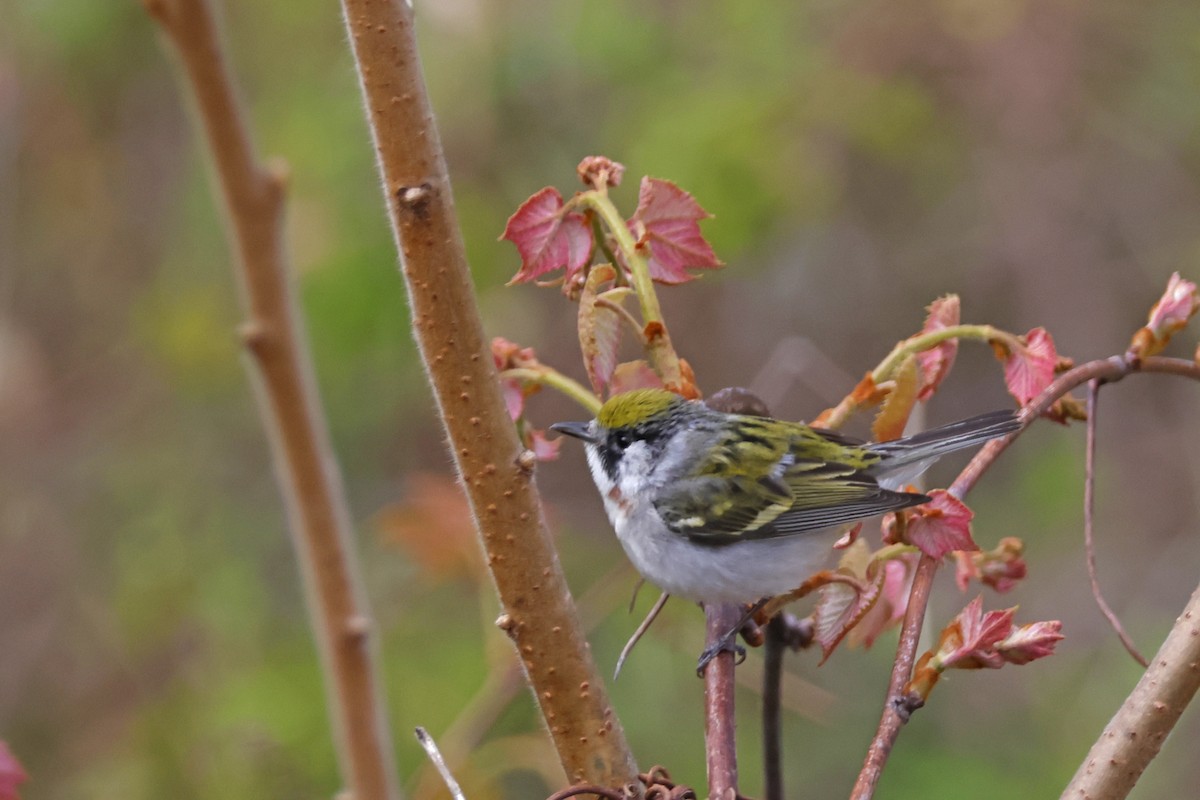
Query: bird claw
[(727, 644)]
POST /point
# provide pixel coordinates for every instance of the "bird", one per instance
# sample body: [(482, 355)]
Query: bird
[(717, 507)]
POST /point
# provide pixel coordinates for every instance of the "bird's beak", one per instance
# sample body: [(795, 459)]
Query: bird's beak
[(580, 430)]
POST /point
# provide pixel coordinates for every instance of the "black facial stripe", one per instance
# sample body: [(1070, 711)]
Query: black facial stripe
[(609, 456)]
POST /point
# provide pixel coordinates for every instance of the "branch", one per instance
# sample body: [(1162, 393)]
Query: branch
[(305, 465), (1134, 735), (1089, 543), (439, 763), (897, 706), (720, 740), (783, 631), (539, 614)]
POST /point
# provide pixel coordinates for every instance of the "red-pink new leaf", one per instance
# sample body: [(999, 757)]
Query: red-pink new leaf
[(936, 362), (839, 608), (633, 375), (11, 774), (941, 526), (1030, 642), (999, 568), (667, 227), (1029, 370), (546, 238), (892, 603), (600, 326), (1172, 311), (1170, 314), (543, 449), (970, 640), (510, 355)]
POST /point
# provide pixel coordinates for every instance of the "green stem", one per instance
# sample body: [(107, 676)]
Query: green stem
[(656, 340), (547, 376), (925, 341), (602, 243), (638, 267), (624, 314)]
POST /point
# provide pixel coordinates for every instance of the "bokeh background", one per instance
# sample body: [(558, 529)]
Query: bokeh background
[(1041, 159)]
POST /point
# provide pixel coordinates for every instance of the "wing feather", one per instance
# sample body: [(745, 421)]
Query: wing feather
[(794, 493)]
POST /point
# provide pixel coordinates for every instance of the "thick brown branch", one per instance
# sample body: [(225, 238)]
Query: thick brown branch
[(1137, 731), (288, 400), (539, 613)]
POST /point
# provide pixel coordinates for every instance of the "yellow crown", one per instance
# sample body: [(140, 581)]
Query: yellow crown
[(630, 408)]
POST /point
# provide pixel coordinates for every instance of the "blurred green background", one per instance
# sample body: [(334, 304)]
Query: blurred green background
[(1040, 159)]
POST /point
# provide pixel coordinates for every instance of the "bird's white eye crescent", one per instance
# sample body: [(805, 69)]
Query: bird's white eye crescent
[(622, 439)]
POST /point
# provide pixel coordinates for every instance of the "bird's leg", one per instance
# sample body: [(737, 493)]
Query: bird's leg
[(728, 641)]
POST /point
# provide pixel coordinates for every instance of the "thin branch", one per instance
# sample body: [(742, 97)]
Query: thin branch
[(720, 741), (930, 339), (435, 755), (896, 710), (548, 376), (1137, 731), (1089, 542), (639, 632), (288, 401), (897, 706), (772, 702), (539, 613)]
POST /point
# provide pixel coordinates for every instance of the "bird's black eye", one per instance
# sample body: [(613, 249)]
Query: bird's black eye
[(622, 439)]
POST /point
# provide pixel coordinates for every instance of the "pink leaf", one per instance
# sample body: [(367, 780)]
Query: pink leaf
[(633, 375), (546, 238), (1177, 305), (1030, 369), (510, 355), (600, 172), (1000, 568), (667, 223), (969, 641), (600, 326), (936, 362), (1030, 642), (543, 449), (1169, 315), (12, 774), (893, 601), (839, 608), (941, 526)]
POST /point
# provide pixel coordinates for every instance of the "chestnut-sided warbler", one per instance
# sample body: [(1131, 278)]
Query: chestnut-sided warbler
[(726, 508)]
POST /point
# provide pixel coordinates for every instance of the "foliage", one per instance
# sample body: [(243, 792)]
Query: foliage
[(859, 161)]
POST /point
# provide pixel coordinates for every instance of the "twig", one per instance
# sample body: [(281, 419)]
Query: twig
[(772, 718), (1089, 542), (585, 788), (1136, 732), (720, 741), (288, 401), (897, 706), (896, 710), (641, 630), (783, 632), (539, 614), (435, 756)]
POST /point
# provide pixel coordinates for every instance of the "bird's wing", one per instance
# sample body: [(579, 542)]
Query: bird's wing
[(793, 494)]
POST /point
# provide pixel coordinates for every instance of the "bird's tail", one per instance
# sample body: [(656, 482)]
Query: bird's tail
[(905, 459)]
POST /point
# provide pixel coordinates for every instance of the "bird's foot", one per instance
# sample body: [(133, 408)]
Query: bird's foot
[(726, 644)]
